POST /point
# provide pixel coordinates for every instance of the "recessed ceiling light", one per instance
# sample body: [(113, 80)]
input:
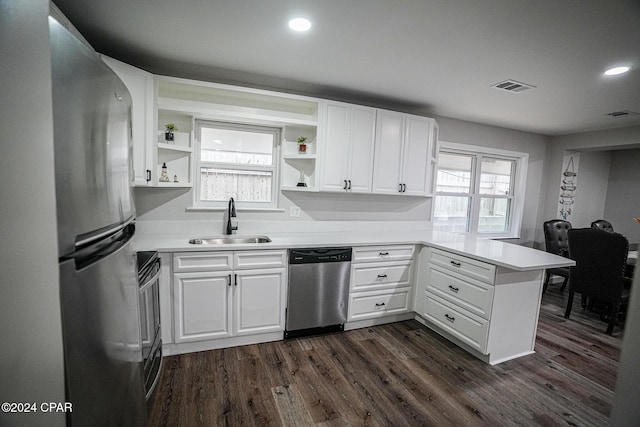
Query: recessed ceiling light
[(616, 70), (299, 24)]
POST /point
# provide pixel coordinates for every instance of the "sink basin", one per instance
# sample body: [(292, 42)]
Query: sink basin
[(228, 240)]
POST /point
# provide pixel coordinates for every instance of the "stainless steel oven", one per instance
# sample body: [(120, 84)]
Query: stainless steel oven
[(149, 294)]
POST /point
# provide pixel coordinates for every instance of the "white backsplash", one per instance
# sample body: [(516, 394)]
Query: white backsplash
[(215, 228)]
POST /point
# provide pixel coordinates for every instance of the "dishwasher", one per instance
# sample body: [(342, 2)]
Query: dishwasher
[(318, 291)]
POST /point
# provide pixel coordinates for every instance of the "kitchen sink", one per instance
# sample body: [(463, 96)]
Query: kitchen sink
[(228, 240)]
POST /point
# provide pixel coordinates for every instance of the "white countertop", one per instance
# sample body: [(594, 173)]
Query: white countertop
[(499, 253)]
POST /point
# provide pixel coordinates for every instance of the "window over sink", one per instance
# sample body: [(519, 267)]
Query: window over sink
[(236, 160)]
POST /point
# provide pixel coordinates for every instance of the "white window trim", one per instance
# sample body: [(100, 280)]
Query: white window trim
[(198, 204), (519, 187)]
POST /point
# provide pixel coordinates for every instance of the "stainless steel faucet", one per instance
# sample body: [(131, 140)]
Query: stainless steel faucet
[(232, 223)]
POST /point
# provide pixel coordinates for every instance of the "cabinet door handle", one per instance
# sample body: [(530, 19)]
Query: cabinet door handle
[(345, 185), (349, 185), (450, 318), (454, 289), (399, 188), (229, 279), (456, 264), (404, 188), (382, 276), (380, 304), (235, 280), (148, 175), (384, 253)]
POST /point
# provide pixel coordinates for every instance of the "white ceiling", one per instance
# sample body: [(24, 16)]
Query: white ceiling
[(434, 57)]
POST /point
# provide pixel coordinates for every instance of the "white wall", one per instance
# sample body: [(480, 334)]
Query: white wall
[(627, 138), (623, 194), (31, 355), (591, 192)]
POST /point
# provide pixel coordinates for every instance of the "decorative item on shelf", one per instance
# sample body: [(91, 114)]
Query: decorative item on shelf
[(301, 182), (302, 147), (175, 178), (163, 176), (168, 133)]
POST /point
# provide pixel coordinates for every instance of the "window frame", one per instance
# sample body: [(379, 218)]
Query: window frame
[(275, 167), (518, 185)]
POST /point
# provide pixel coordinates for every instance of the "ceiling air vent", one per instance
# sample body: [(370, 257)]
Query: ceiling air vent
[(512, 86), (622, 113)]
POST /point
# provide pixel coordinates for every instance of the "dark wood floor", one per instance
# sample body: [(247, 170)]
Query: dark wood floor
[(400, 374)]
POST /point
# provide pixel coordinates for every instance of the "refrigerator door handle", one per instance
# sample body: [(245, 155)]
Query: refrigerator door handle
[(96, 237), (94, 253)]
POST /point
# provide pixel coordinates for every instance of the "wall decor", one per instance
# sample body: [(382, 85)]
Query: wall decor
[(568, 185)]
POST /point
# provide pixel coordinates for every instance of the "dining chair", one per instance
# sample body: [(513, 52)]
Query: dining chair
[(602, 224), (599, 271), (556, 241)]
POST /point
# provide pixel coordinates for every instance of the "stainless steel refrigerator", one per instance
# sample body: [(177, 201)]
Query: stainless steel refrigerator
[(98, 281)]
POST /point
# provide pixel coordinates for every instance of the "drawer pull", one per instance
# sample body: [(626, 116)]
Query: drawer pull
[(380, 304), (456, 264), (235, 280), (450, 318), (454, 289), (229, 279), (382, 276), (384, 253)]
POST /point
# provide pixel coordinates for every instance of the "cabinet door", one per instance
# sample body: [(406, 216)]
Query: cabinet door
[(140, 85), (362, 128), (259, 301), (336, 148), (201, 306), (415, 162), (388, 152)]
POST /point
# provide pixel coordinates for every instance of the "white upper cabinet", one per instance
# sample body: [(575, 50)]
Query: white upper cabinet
[(347, 151), (415, 162), (140, 86), (403, 154)]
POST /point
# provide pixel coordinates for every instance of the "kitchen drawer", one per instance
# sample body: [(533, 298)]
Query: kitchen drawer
[(366, 305), (470, 329), (469, 294), (383, 253), (467, 266), (380, 275), (202, 261), (259, 259)]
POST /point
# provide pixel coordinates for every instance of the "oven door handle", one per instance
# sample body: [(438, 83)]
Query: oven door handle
[(150, 282)]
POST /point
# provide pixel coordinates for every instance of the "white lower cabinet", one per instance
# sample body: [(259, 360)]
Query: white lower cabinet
[(223, 300), (259, 302), (470, 329), (489, 310), (201, 306), (380, 287), (367, 305)]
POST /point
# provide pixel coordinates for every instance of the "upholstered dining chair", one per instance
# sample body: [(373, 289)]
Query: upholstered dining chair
[(599, 271), (602, 224), (556, 241)]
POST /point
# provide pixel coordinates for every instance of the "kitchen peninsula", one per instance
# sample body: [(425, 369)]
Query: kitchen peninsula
[(483, 295)]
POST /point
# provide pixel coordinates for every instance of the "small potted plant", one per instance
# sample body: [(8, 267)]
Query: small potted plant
[(168, 133), (302, 147)]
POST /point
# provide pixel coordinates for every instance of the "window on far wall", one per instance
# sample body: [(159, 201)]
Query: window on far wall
[(479, 190), (236, 160)]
